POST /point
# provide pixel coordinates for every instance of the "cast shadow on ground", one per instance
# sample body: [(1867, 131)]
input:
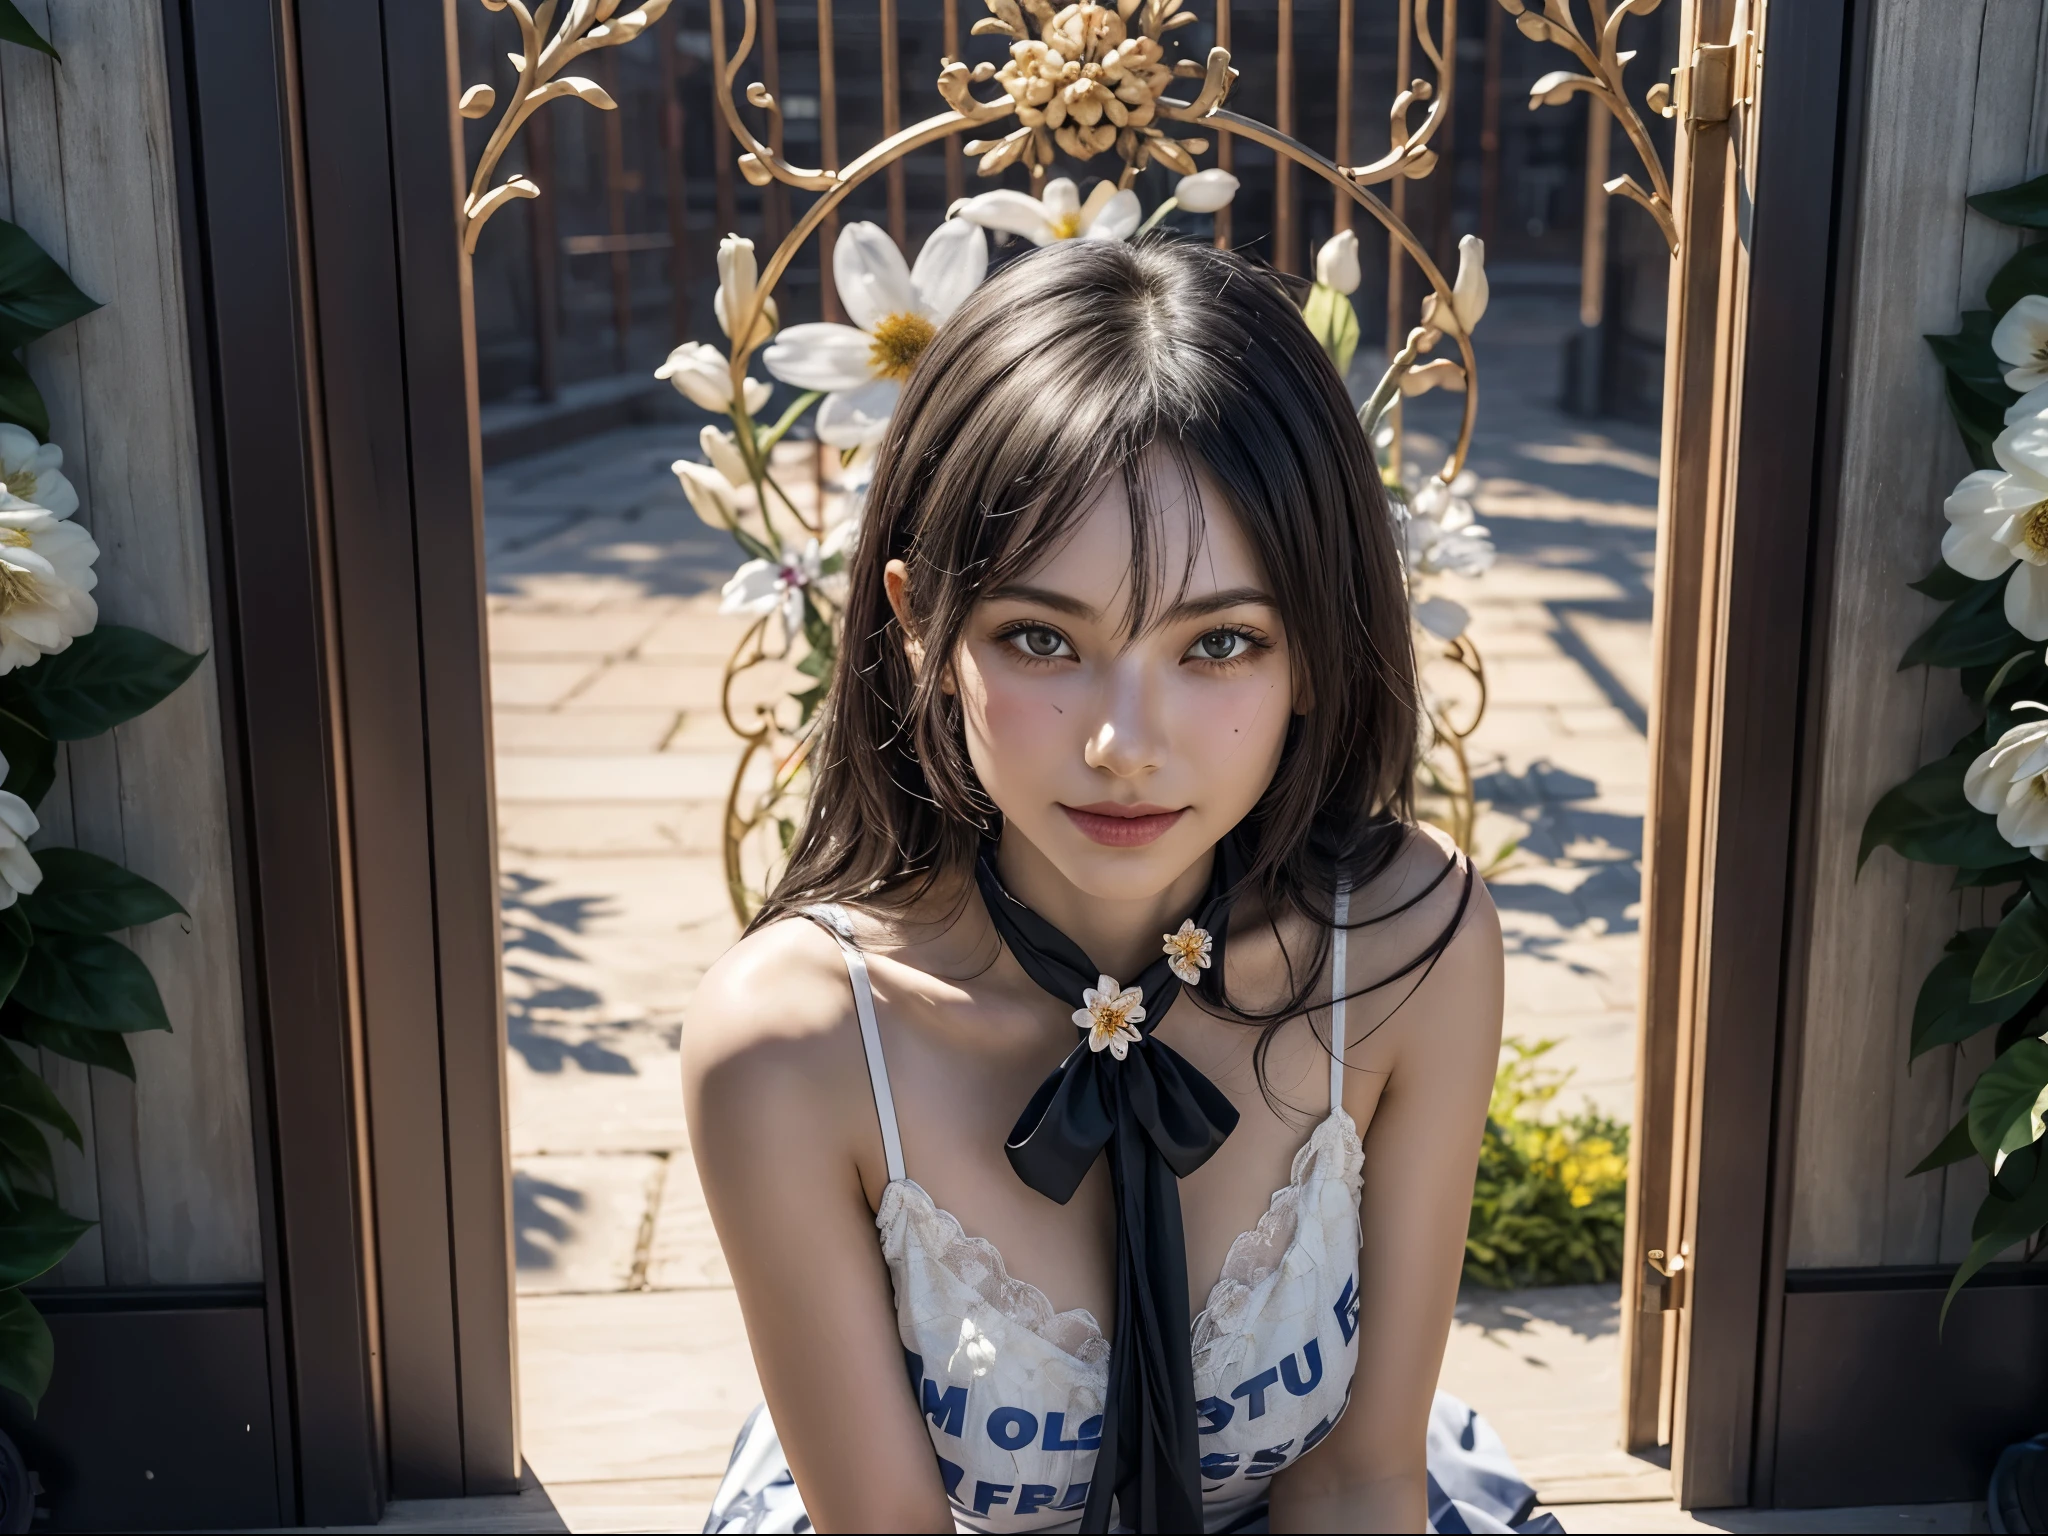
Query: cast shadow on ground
[(1567, 836), (555, 515), (539, 1232), (535, 1002), (1590, 1311)]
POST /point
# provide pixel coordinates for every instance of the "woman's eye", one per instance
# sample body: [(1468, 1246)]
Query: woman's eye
[(1220, 645), (1043, 644)]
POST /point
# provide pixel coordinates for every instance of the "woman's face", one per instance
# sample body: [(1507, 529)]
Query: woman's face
[(1122, 760)]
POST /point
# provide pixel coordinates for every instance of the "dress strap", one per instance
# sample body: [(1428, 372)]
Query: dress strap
[(1338, 945), (834, 920)]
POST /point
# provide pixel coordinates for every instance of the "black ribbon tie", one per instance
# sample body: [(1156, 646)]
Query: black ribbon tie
[(1159, 1120)]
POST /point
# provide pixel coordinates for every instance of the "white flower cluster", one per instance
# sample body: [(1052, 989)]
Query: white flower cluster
[(46, 574), (1998, 518)]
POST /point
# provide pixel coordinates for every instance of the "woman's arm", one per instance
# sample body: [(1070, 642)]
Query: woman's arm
[(781, 1121), (1439, 1050)]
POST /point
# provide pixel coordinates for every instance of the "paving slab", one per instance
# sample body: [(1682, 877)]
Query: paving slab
[(548, 732), (579, 1221), (652, 775), (642, 1384), (684, 1253)]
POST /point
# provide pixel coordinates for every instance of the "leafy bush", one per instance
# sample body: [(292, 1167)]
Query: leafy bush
[(1552, 1192)]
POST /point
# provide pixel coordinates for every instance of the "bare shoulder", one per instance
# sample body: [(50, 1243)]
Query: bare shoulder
[(772, 1027), (1428, 942)]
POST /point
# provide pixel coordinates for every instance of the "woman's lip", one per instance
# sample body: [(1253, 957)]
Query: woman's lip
[(1122, 826)]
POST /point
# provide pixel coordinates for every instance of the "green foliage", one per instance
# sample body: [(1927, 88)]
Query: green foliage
[(99, 681), (1988, 977), (1551, 1198), (36, 297), (15, 28)]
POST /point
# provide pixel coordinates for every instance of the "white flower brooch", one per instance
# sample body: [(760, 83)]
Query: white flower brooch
[(1187, 951), (1111, 1015)]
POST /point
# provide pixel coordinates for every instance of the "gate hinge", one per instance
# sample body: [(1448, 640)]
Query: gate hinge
[(1711, 86), (1664, 1280)]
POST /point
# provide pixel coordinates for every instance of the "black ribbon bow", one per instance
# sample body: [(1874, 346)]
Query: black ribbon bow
[(1160, 1120)]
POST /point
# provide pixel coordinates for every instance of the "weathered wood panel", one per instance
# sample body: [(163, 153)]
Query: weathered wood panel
[(87, 152), (1958, 103)]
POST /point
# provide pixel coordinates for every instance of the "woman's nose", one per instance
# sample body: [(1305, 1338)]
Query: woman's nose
[(1129, 740)]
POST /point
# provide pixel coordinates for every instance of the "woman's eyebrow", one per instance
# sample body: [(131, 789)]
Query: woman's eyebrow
[(1044, 597), (1215, 602)]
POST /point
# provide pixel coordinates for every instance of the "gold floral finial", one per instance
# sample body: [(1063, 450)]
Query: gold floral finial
[(1090, 81), (1111, 1015), (1187, 951)]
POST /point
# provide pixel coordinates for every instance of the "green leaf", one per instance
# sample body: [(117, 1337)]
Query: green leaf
[(36, 295), (2016, 957), (1952, 1148), (27, 1351), (34, 1236), (2001, 1221), (31, 756), (1972, 631), (22, 1089), (1968, 355), (1334, 323), (84, 893), (15, 28), (1945, 583), (2025, 205), (1926, 819), (93, 1047), (103, 678), (25, 1151), (20, 401), (93, 983), (1996, 874), (2007, 1105), (1944, 1014), (1976, 418), (2026, 272)]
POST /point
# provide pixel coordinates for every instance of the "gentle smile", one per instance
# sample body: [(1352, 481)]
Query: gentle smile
[(1123, 826)]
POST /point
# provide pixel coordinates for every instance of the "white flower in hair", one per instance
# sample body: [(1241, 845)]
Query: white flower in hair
[(1187, 951), (1111, 1015), (895, 308)]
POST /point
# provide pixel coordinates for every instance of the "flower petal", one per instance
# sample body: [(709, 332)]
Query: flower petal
[(1061, 198), (822, 356), (2026, 600), (952, 262), (2021, 341), (1119, 217), (1014, 212), (2022, 449), (1206, 191), (873, 279), (856, 418), (2033, 403)]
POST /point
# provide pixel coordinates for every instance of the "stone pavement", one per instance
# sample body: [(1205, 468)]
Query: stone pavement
[(612, 768)]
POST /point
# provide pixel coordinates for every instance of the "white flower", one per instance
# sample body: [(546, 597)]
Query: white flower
[(1442, 617), (1997, 519), (1207, 191), (1450, 505), (1442, 534), (719, 492), (1337, 262), (45, 577), (2021, 341), (2010, 781), (1059, 214), (765, 586), (1469, 292), (30, 472), (1187, 951), (896, 309), (723, 451), (1111, 1015), (738, 276), (703, 375), (19, 872), (2033, 403)]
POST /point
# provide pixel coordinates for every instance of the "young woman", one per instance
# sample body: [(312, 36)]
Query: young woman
[(1120, 738)]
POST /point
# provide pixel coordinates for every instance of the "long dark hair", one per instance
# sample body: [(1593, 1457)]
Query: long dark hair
[(1069, 365)]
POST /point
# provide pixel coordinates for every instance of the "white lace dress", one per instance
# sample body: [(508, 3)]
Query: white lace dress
[(1012, 1391)]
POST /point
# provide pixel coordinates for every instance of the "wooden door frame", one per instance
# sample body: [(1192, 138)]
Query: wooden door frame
[(319, 165), (1741, 592)]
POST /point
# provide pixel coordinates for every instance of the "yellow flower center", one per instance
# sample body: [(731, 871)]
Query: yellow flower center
[(1066, 227), (16, 537), (21, 483), (1109, 1018), (18, 588), (899, 341), (2034, 525)]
